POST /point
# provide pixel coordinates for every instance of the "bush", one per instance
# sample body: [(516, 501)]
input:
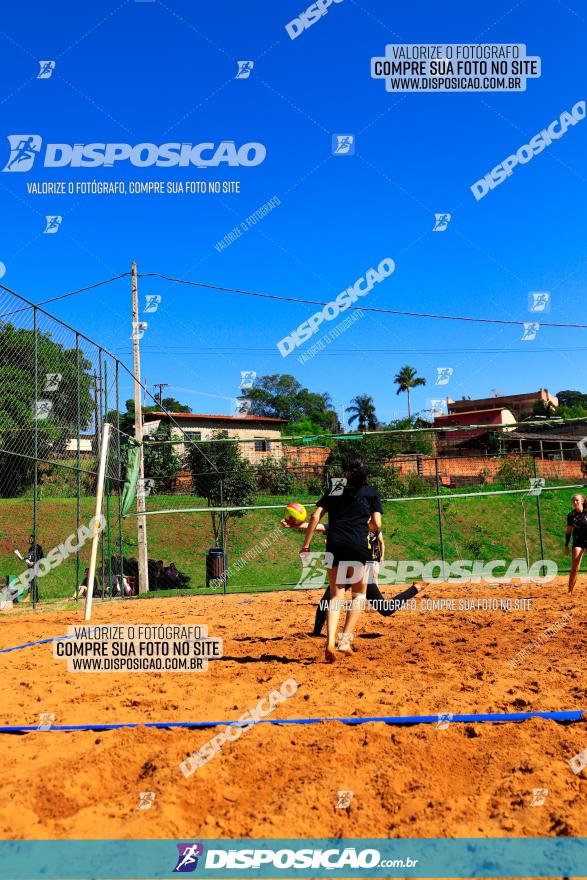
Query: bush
[(275, 478), (515, 473)]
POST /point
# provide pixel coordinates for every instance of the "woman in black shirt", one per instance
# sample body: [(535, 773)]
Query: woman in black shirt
[(577, 526), (352, 509)]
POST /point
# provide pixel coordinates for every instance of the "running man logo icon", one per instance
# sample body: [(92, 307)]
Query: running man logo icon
[(187, 861), (243, 406), (344, 799), (443, 375), (438, 406), (46, 719), (441, 222), (537, 484), (244, 69), (146, 800), (53, 223), (314, 570), (444, 720), (24, 148), (46, 69), (43, 409), (578, 762), (152, 302), (52, 381), (539, 795), (538, 301), (343, 145), (337, 485), (247, 379), (530, 331)]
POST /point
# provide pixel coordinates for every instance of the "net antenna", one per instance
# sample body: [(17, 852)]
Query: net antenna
[(96, 520)]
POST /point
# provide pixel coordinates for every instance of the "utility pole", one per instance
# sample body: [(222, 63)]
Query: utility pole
[(160, 386), (141, 519)]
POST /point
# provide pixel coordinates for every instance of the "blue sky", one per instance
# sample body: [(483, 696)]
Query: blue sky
[(165, 71)]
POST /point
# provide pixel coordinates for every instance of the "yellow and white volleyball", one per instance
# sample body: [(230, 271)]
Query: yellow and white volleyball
[(295, 513)]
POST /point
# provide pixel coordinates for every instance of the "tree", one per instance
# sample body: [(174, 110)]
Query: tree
[(222, 477), (28, 406), (281, 396), (161, 463), (171, 405), (363, 409), (407, 379), (572, 399)]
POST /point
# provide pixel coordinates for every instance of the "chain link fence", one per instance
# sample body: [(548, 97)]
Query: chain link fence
[(57, 388)]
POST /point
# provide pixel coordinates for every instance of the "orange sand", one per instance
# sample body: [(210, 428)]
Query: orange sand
[(416, 781)]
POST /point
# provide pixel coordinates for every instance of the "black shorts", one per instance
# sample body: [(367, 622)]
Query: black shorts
[(580, 541), (347, 552)]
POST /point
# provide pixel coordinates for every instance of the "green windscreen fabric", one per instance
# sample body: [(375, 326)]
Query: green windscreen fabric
[(129, 490)]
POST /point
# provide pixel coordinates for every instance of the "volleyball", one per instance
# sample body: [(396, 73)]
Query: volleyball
[(295, 513)]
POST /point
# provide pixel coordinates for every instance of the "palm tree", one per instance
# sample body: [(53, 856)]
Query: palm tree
[(363, 409), (406, 379)]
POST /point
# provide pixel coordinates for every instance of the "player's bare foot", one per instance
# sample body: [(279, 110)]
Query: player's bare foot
[(329, 655)]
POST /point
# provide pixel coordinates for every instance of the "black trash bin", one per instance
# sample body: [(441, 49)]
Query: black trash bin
[(215, 565)]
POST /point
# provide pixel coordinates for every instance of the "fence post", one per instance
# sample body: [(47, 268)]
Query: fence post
[(96, 531), (108, 545), (223, 537), (539, 515), (78, 461), (439, 507), (118, 454), (34, 595)]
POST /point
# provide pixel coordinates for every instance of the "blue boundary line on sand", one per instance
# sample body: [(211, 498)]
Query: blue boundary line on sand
[(497, 717)]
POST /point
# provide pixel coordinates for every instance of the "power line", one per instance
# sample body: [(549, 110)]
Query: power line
[(314, 302)]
